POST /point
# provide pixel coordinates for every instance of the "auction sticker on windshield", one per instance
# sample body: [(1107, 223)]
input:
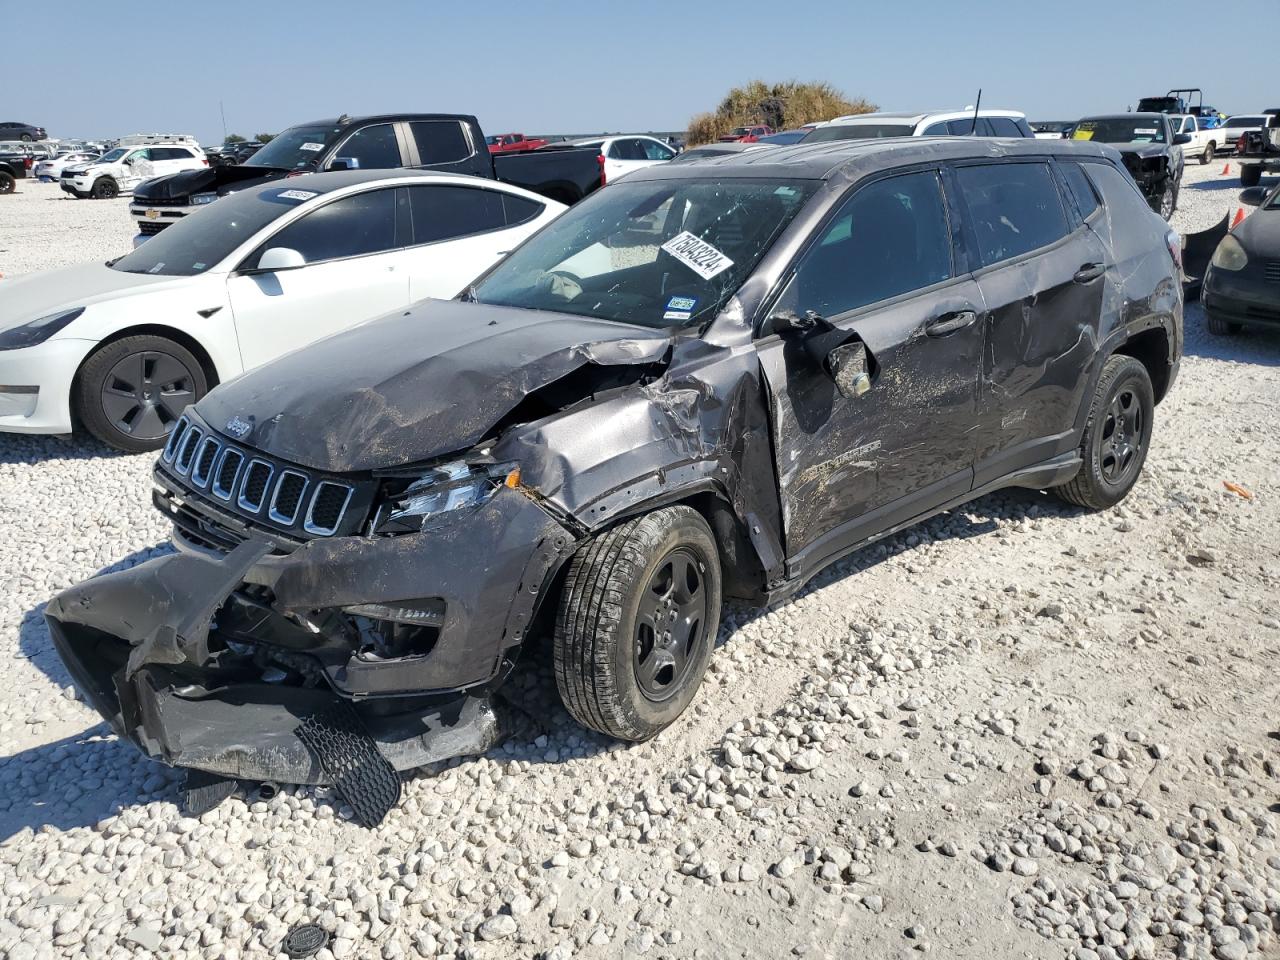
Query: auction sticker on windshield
[(313, 147), (698, 255), (297, 194)]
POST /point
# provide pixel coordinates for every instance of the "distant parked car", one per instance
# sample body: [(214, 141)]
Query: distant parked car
[(709, 150), (953, 123), (784, 137), (1051, 129), (747, 134), (514, 143), (1203, 143), (15, 164), (123, 347), (622, 154), (1242, 285), (52, 170), (1234, 128), (12, 130), (1151, 149), (120, 170)]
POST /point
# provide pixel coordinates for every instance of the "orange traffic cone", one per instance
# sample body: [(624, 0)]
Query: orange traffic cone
[(1226, 168), (1239, 216)]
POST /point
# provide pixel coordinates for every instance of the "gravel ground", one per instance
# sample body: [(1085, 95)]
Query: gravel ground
[(1018, 730)]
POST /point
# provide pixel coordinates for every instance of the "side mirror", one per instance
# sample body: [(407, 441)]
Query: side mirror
[(848, 367), (1254, 196), (1182, 138), (343, 163), (280, 258), (788, 321)]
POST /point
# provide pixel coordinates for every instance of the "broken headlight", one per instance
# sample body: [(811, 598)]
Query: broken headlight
[(451, 486), (1230, 254)]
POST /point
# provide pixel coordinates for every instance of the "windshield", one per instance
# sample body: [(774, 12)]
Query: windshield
[(1120, 130), (1246, 122), (858, 131), (196, 243), (666, 253), (296, 148), (113, 155)]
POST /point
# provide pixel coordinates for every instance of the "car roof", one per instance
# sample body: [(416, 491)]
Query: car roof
[(339, 179), (918, 116), (853, 159), (1128, 116), (345, 121)]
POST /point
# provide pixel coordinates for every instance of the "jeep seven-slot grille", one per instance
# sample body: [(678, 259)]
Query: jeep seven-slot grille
[(254, 486)]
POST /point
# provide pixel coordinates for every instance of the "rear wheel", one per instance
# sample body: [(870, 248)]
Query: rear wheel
[(1250, 174), (130, 393), (637, 623), (7, 183), (26, 138), (1207, 156), (104, 188), (1219, 327), (1116, 436)]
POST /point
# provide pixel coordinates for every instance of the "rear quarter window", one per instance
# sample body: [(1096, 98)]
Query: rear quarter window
[(1080, 189), (1127, 209)]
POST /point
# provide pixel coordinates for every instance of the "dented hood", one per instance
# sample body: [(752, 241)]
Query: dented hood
[(416, 385), (1140, 149)]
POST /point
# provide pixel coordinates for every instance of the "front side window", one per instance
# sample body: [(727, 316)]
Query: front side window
[(658, 254), (371, 148), (447, 212), (440, 141), (137, 156), (891, 237), (1014, 208), (351, 227)]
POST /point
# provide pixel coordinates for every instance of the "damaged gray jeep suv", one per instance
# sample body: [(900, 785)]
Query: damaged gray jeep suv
[(705, 381)]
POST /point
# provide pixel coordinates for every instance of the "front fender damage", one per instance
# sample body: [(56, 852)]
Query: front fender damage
[(249, 665)]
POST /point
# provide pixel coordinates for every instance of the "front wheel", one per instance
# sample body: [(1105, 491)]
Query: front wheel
[(1116, 436), (131, 392), (104, 188), (1168, 200), (637, 623), (7, 183)]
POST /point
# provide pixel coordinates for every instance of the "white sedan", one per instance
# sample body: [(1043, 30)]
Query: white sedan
[(122, 347), (52, 169)]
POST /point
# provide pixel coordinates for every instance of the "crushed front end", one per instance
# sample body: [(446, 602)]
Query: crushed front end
[(381, 610)]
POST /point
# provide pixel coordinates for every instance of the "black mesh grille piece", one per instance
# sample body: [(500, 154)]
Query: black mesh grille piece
[(327, 508), (255, 486), (289, 495), (224, 482)]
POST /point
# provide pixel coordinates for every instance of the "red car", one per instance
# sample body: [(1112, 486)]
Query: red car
[(513, 143), (747, 134)]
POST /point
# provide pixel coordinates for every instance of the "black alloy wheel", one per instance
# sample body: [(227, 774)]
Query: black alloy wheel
[(7, 183), (671, 625), (145, 394), (130, 392), (1123, 436), (104, 188)]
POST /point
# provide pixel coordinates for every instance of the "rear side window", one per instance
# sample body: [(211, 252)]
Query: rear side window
[(1081, 190), (1003, 127), (350, 227), (445, 212), (1014, 208), (371, 148), (965, 127), (890, 238), (440, 141), (627, 150)]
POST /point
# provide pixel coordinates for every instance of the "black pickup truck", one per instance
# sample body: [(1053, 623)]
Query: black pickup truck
[(15, 164), (449, 143), (1150, 149)]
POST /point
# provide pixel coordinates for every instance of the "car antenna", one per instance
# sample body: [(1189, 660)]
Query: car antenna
[(973, 129)]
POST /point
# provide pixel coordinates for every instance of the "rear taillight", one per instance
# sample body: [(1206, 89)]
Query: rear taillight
[(1174, 242), (205, 161), (600, 160), (28, 162), (1240, 143)]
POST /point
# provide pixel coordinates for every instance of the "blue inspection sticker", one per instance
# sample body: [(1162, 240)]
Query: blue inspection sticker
[(679, 308)]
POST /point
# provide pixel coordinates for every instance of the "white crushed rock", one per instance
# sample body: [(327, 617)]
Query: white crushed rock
[(1018, 730)]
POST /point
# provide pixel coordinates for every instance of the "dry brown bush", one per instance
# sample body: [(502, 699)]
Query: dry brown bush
[(781, 105)]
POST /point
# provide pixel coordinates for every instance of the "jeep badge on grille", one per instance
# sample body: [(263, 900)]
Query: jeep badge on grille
[(239, 428)]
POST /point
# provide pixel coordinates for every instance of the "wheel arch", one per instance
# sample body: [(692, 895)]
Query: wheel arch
[(155, 330), (1153, 349)]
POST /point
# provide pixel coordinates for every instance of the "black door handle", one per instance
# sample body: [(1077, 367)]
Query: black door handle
[(947, 323), (1090, 272)]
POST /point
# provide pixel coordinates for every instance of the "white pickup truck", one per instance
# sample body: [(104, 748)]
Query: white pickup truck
[(1205, 143)]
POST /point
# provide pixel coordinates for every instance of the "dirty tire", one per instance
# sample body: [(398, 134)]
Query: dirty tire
[(1250, 174), (104, 188), (1219, 327), (1207, 156), (7, 183), (1167, 202), (609, 599), (26, 138), (96, 389), (1106, 475)]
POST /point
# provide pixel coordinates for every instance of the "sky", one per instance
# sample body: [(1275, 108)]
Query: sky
[(564, 66)]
